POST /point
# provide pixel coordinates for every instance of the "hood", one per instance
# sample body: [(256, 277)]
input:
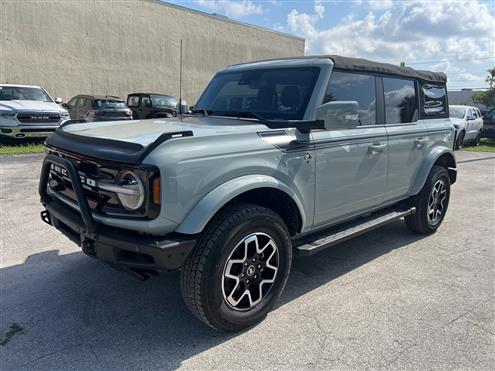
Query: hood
[(30, 105), (458, 122), (145, 132)]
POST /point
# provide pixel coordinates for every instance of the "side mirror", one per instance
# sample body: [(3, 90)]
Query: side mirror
[(471, 118), (339, 115), (59, 100), (64, 105)]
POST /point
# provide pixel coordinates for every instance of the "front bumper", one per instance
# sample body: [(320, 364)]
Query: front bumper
[(131, 251), (27, 131)]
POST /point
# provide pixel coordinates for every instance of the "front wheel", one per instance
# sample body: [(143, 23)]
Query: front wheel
[(238, 268), (460, 140), (431, 203)]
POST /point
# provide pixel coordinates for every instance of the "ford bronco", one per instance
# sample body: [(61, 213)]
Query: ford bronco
[(279, 157)]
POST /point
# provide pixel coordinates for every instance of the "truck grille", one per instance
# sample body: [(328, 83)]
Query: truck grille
[(38, 118)]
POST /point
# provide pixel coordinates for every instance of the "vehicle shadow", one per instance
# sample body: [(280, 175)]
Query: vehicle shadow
[(71, 308)]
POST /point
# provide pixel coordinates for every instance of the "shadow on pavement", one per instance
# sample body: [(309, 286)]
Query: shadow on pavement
[(72, 308)]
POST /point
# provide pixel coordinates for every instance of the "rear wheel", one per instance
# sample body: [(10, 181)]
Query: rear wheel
[(477, 140), (460, 140), (431, 203), (238, 268)]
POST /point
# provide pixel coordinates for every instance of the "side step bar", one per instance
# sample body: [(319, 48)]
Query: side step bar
[(310, 245)]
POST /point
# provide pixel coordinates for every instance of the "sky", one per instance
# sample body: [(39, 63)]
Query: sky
[(455, 37)]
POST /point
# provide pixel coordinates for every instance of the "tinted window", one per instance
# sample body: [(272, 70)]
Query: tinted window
[(145, 101), (400, 101), (163, 100), (435, 99), (108, 103), (72, 102), (360, 88), (278, 93), (81, 102), (133, 101)]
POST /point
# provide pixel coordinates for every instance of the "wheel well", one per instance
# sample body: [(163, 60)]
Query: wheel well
[(277, 201), (447, 161)]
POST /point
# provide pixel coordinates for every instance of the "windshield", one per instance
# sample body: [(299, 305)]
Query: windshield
[(23, 93), (109, 103), (457, 112), (163, 100), (277, 93)]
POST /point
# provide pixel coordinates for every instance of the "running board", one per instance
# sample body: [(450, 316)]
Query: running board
[(310, 245)]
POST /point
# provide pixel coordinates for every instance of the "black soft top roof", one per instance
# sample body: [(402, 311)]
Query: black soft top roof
[(366, 65)]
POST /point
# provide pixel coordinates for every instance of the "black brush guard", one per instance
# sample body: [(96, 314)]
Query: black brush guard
[(140, 254)]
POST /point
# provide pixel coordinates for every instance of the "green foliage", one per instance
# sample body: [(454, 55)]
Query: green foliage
[(487, 97)]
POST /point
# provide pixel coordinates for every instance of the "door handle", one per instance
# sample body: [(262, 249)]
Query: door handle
[(420, 142), (376, 148)]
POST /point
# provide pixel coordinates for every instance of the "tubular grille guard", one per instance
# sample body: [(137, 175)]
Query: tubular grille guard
[(88, 220)]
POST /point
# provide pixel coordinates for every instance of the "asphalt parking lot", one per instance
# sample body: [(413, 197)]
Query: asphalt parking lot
[(387, 299)]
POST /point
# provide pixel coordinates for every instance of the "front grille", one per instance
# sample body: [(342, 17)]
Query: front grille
[(38, 118), (91, 172)]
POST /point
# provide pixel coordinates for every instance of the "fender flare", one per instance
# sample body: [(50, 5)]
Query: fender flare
[(210, 204), (427, 165)]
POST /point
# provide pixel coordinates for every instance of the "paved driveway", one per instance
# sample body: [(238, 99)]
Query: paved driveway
[(387, 299)]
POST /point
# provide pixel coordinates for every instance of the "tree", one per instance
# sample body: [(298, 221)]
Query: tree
[(487, 97)]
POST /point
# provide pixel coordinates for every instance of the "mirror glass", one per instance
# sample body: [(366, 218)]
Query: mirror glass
[(339, 115)]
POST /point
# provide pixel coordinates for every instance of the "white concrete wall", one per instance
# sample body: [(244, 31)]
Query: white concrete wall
[(117, 47)]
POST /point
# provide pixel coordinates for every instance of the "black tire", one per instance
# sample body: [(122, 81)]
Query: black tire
[(203, 275), (422, 220), (477, 140), (460, 140)]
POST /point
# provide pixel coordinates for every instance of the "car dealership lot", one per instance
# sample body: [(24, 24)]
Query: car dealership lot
[(387, 299)]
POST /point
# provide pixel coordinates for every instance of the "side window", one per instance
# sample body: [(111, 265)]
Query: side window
[(72, 102), (133, 101), (435, 99), (401, 101), (345, 86), (145, 101), (81, 102)]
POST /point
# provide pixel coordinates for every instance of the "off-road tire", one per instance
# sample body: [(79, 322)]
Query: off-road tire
[(203, 271), (419, 221)]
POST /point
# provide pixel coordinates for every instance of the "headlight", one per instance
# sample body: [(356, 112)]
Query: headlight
[(132, 193), (64, 114), (7, 114)]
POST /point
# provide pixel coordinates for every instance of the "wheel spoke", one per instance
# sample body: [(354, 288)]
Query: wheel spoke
[(248, 278)]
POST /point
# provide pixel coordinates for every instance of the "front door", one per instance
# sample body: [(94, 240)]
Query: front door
[(351, 164)]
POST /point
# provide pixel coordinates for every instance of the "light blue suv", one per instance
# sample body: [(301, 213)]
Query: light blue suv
[(279, 157)]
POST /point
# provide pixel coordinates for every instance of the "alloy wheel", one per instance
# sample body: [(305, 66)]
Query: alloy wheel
[(436, 202), (250, 271)]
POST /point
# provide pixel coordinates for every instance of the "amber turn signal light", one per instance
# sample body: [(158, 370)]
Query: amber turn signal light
[(156, 190)]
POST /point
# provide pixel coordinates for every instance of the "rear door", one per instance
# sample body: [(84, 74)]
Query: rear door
[(407, 136), (351, 163)]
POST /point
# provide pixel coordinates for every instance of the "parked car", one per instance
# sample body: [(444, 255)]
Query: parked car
[(489, 124), (147, 106), (468, 123), (29, 111), (88, 108), (280, 157)]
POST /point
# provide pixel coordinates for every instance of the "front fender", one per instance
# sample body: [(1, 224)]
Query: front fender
[(209, 205), (448, 160)]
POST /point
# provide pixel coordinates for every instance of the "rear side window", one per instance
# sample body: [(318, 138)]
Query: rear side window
[(108, 103), (133, 101), (435, 99), (401, 101), (356, 87)]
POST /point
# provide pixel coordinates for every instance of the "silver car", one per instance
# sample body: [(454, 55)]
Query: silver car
[(468, 123), (29, 111), (279, 157)]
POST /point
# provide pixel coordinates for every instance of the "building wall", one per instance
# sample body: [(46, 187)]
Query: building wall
[(117, 47)]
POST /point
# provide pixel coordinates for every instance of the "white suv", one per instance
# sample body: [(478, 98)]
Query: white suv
[(29, 111)]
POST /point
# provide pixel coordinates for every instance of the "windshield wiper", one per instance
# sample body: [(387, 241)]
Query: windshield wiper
[(204, 111), (240, 114)]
